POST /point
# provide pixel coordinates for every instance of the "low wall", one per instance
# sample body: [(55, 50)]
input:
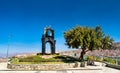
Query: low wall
[(41, 66), (113, 66)]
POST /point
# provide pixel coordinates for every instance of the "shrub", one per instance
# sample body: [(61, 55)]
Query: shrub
[(112, 61), (109, 60), (118, 61), (85, 57), (98, 59), (90, 57), (105, 59), (14, 60)]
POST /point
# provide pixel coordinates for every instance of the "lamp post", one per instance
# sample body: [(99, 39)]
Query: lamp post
[(116, 59), (9, 36), (108, 56), (117, 56), (102, 59)]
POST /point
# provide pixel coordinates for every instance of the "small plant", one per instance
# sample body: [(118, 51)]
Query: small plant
[(98, 59), (112, 61), (109, 60), (14, 60), (118, 61), (85, 57), (90, 58), (105, 59)]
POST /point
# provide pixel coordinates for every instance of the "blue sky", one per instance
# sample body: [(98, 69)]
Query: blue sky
[(25, 20)]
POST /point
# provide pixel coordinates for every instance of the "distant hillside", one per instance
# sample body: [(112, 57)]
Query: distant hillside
[(25, 54), (3, 59), (117, 45)]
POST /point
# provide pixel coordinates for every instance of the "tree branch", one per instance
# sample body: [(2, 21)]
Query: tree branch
[(86, 50)]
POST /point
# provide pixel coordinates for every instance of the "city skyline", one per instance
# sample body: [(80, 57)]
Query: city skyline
[(24, 21)]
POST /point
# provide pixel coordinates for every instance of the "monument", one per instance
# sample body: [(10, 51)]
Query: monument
[(48, 37)]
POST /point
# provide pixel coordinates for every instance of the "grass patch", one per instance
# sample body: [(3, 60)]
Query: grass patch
[(39, 59), (38, 63)]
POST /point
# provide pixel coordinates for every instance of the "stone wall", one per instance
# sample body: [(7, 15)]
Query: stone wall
[(41, 66), (113, 66)]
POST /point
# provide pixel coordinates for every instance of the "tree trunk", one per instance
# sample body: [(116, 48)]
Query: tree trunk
[(82, 55), (82, 58)]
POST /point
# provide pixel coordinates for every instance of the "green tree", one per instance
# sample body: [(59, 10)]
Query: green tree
[(107, 42), (87, 39)]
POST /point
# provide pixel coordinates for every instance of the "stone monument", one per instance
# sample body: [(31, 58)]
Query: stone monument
[(48, 37)]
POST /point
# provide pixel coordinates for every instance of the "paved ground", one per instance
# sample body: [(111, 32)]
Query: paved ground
[(88, 69)]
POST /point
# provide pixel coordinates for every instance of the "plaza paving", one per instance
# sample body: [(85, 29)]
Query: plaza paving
[(88, 69)]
